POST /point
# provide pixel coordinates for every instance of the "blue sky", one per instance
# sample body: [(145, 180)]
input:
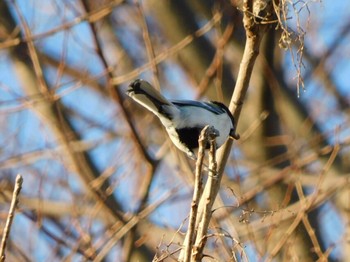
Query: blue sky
[(327, 19)]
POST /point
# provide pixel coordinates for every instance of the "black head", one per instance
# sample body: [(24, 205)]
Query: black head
[(135, 86)]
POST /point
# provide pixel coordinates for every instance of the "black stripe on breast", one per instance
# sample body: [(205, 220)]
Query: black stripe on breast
[(189, 136)]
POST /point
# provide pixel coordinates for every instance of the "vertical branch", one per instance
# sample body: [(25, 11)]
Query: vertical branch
[(116, 93), (28, 68), (201, 238), (14, 202), (117, 97), (198, 184), (254, 33), (148, 44)]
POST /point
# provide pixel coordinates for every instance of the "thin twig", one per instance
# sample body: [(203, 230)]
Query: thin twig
[(216, 62), (115, 93), (169, 52), (148, 44), (50, 112), (191, 232), (92, 16), (204, 223), (133, 221), (306, 204), (11, 214)]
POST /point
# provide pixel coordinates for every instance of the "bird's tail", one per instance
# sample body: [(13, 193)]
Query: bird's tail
[(146, 95)]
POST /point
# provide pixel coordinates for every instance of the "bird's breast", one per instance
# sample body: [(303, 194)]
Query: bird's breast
[(191, 120)]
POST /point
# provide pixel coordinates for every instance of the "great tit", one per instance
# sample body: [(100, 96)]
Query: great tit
[(184, 119)]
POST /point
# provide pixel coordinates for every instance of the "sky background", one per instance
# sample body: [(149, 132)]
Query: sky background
[(25, 133)]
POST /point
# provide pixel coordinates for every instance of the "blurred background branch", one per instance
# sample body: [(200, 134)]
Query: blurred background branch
[(102, 179)]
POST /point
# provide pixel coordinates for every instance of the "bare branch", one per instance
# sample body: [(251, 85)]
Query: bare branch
[(254, 34), (11, 215), (209, 198), (208, 134)]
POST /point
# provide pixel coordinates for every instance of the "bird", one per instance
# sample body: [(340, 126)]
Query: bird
[(184, 119)]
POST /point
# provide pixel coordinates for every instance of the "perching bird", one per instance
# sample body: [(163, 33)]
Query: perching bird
[(184, 119)]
